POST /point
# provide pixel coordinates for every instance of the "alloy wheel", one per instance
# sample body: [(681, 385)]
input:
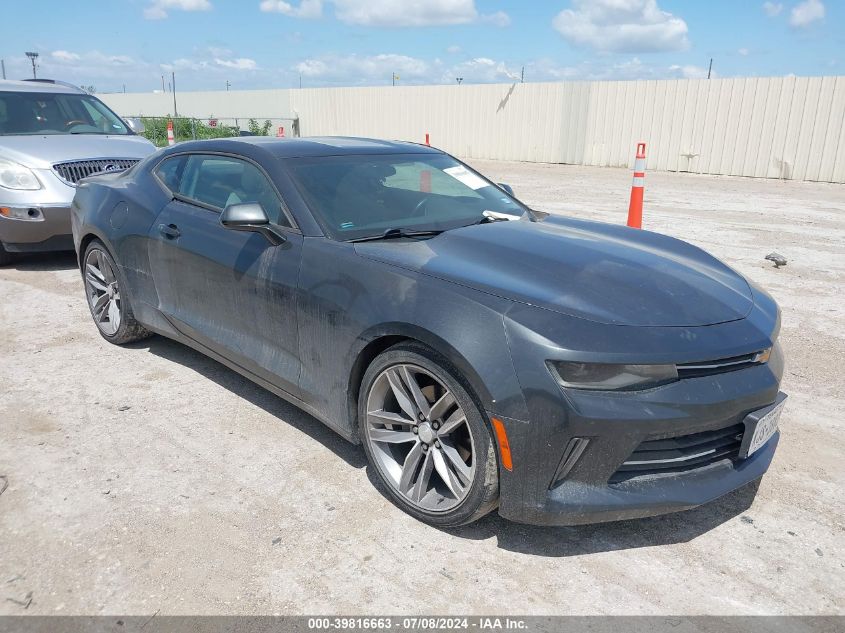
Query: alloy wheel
[(103, 292), (420, 438)]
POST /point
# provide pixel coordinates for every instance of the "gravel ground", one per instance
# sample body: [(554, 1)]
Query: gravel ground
[(151, 479)]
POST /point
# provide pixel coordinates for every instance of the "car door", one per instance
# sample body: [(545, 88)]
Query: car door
[(232, 291)]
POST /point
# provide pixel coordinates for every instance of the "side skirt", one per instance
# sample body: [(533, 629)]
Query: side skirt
[(173, 333)]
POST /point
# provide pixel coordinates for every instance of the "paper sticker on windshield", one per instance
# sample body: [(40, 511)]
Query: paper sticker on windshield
[(465, 176)]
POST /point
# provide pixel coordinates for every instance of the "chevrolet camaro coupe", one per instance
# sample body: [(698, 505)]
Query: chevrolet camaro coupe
[(486, 355)]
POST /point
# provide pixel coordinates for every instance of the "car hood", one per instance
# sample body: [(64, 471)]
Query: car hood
[(590, 270), (42, 151)]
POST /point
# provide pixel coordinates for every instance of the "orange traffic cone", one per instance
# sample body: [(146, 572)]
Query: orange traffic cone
[(635, 208)]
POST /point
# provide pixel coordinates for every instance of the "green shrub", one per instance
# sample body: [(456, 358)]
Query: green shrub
[(185, 129)]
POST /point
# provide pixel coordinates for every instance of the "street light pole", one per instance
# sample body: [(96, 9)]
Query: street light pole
[(32, 57), (173, 85)]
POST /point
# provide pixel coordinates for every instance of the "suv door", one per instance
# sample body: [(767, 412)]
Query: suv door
[(231, 291)]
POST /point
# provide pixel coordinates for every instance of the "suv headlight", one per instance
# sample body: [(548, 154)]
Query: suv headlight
[(15, 176), (610, 377)]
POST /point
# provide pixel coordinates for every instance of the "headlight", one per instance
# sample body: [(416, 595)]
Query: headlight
[(611, 377), (14, 176)]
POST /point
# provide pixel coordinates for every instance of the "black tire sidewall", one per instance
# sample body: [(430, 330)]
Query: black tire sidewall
[(484, 488)]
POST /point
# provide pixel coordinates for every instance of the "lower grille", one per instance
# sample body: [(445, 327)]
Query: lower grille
[(74, 171), (678, 454)]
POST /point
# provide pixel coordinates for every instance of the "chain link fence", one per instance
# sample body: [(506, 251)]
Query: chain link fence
[(192, 128)]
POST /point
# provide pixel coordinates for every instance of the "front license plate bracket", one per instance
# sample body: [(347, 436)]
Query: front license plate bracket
[(760, 426)]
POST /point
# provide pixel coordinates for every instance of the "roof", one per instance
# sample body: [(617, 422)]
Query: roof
[(46, 85), (330, 146)]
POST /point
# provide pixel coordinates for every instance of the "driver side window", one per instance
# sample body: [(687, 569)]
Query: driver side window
[(219, 181)]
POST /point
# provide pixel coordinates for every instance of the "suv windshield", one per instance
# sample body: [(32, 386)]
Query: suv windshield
[(34, 113), (360, 196)]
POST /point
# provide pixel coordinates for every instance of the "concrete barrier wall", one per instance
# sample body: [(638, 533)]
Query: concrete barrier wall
[(781, 127)]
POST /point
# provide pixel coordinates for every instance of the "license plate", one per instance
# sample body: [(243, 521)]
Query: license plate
[(762, 425)]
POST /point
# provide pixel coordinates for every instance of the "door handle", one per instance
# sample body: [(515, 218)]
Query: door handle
[(170, 231)]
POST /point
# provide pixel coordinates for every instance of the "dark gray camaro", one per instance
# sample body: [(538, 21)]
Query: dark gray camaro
[(485, 355)]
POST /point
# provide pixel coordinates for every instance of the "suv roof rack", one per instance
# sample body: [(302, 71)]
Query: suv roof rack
[(57, 83)]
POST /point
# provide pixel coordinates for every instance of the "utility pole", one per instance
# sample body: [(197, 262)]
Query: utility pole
[(32, 58), (522, 76), (710, 70), (124, 88), (162, 84), (227, 85), (395, 77), (173, 78), (3, 67)]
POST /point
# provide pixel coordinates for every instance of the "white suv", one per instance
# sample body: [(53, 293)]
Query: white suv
[(51, 136)]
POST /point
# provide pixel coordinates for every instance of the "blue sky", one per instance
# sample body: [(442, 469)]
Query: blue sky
[(274, 43)]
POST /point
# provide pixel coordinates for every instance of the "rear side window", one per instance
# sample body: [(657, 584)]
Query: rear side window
[(170, 172)]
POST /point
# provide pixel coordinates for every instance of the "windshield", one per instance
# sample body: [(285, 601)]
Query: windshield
[(32, 113), (361, 196)]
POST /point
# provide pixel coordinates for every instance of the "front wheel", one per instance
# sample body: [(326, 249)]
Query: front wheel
[(426, 438), (107, 297)]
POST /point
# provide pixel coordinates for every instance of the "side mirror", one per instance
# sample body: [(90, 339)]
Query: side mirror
[(250, 217), (136, 125), (507, 188)]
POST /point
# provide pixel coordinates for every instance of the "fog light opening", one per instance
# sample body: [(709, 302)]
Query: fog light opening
[(573, 452), (32, 214)]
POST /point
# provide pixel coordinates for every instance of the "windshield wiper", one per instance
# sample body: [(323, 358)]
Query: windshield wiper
[(392, 234)]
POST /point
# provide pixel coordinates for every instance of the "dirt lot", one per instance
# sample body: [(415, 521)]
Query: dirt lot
[(153, 479)]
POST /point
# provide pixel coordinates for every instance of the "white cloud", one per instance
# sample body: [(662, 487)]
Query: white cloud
[(744, 52), (806, 13), (454, 49), (633, 26), (91, 58), (363, 70), (690, 72), (499, 18), (306, 8), (772, 9), (242, 63), (480, 70), (159, 8), (405, 12), (390, 13), (64, 56)]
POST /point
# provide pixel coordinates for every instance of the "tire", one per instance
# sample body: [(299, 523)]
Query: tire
[(416, 459), (6, 257), (108, 299)]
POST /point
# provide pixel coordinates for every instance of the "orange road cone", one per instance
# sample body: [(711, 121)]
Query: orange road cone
[(635, 208)]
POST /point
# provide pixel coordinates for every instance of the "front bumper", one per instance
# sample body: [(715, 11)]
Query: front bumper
[(53, 232), (598, 485), (50, 234)]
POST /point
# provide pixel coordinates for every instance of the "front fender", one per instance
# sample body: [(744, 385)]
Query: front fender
[(347, 302)]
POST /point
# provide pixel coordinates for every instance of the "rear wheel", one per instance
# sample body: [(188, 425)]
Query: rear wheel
[(426, 438), (107, 297)]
